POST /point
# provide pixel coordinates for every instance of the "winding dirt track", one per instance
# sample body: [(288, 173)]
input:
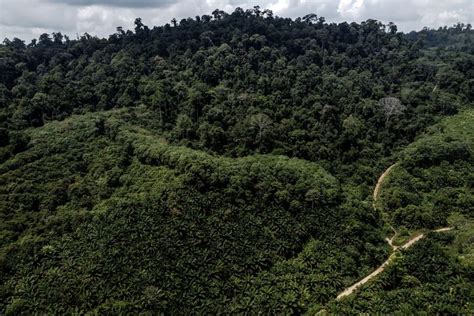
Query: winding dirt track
[(380, 181), (408, 244)]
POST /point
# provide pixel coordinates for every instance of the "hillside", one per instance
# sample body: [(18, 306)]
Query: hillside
[(434, 181), (434, 176), (102, 215), (226, 164)]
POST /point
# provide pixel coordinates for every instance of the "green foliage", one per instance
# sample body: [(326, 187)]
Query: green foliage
[(434, 178), (431, 187), (224, 165), (117, 220), (247, 82), (429, 278)]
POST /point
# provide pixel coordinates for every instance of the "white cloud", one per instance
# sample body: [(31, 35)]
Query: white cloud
[(351, 8), (409, 14), (116, 3), (29, 18)]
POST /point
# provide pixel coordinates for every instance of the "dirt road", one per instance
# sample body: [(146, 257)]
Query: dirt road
[(380, 181), (408, 244)]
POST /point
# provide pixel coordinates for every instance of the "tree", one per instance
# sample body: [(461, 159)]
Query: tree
[(184, 127), (218, 14), (310, 18), (45, 40), (16, 43), (256, 10), (352, 126), (120, 31), (392, 28), (268, 13), (260, 122), (138, 25), (391, 106)]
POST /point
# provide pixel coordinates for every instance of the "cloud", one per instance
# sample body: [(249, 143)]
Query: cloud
[(351, 8), (30, 13), (300, 8), (27, 19), (409, 14), (117, 3)]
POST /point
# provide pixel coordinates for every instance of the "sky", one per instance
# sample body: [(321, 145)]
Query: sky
[(27, 19)]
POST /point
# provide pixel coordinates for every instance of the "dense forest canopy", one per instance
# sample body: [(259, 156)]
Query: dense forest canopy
[(247, 82), (225, 164)]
